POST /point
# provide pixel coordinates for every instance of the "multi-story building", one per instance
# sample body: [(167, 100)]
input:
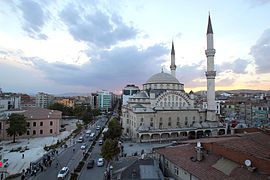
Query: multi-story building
[(128, 92), (237, 157), (9, 101), (40, 122), (94, 100), (27, 101), (69, 102), (260, 114), (44, 100), (104, 100), (82, 100)]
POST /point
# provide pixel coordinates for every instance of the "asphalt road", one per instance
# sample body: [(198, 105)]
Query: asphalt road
[(95, 172), (69, 158)]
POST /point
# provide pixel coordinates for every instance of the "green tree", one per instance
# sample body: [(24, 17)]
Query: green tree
[(87, 117), (110, 149), (114, 131), (67, 111), (17, 125)]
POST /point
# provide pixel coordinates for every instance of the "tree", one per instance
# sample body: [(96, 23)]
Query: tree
[(67, 111), (110, 149), (17, 125), (87, 117), (114, 131)]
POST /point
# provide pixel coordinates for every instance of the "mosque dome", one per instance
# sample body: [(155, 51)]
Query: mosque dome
[(162, 78)]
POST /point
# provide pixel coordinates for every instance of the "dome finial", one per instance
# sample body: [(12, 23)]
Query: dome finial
[(162, 69)]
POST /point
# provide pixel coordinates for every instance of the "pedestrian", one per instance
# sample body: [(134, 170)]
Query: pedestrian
[(2, 176), (56, 164), (22, 156), (73, 149)]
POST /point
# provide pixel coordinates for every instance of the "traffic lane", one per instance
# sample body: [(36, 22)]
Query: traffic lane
[(95, 172), (59, 162)]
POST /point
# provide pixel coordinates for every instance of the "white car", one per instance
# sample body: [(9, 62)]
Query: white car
[(98, 128), (63, 173), (83, 146), (100, 162)]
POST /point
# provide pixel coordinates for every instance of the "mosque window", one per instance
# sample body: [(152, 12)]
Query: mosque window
[(151, 119), (172, 104), (176, 98), (141, 124), (178, 124), (160, 119), (169, 123), (127, 121), (160, 125), (176, 104), (165, 103), (186, 118), (151, 124), (200, 117), (194, 118), (169, 104), (141, 119), (186, 123)]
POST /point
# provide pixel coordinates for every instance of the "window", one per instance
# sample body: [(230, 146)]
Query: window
[(34, 124), (178, 124), (28, 124), (160, 119), (141, 119), (186, 123), (34, 132), (151, 119), (51, 123), (151, 124), (160, 125), (28, 132), (194, 118), (41, 123), (176, 171), (140, 124), (127, 121), (41, 131), (169, 123)]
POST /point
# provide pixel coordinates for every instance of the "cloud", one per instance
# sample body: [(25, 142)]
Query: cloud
[(34, 19), (258, 2), (238, 66), (261, 52), (98, 28), (112, 69)]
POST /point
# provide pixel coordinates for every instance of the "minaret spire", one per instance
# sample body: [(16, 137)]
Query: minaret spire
[(173, 66), (209, 27), (210, 73)]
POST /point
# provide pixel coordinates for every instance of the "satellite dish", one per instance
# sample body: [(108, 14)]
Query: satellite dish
[(248, 162), (199, 144)]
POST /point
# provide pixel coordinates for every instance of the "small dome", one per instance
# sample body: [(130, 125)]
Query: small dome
[(162, 78)]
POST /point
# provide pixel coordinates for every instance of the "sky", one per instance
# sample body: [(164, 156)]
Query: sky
[(89, 45)]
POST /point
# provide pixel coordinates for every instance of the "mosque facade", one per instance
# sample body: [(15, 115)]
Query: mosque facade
[(162, 110)]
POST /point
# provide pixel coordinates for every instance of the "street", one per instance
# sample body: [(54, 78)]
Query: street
[(69, 158), (96, 172)]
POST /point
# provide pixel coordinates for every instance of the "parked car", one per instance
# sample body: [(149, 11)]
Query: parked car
[(98, 128), (90, 163), (80, 140), (100, 142), (63, 173), (83, 146), (100, 162)]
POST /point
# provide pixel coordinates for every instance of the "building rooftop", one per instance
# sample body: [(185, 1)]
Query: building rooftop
[(217, 165)]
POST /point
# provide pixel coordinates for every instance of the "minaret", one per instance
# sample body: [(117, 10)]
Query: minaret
[(210, 74), (173, 66)]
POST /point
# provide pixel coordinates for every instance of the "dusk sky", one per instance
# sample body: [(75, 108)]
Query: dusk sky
[(88, 45)]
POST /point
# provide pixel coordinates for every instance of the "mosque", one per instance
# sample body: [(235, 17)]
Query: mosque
[(162, 110)]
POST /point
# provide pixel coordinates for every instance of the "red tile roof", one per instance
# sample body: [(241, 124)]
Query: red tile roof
[(180, 156), (41, 113)]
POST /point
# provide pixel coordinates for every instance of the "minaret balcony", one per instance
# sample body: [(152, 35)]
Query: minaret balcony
[(173, 67), (210, 74), (210, 52)]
